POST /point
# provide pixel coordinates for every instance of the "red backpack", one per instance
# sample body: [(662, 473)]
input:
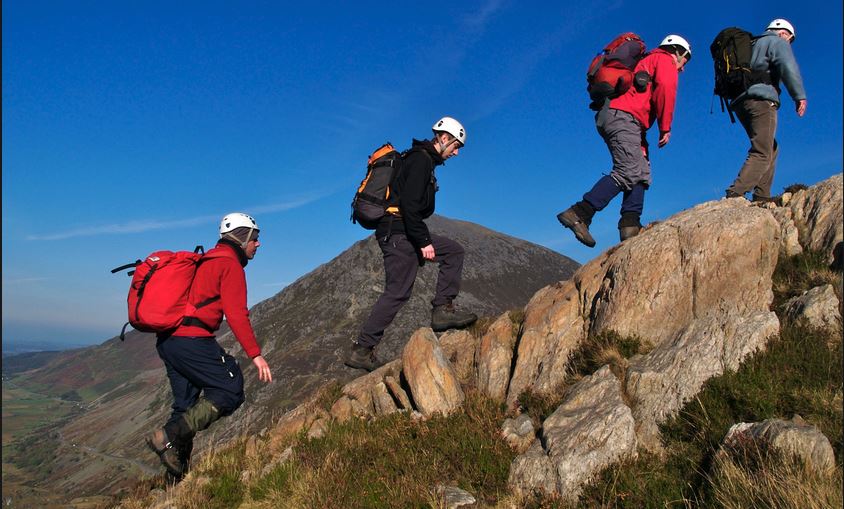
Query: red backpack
[(158, 295), (611, 72)]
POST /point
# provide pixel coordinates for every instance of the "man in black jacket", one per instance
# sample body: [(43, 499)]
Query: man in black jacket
[(406, 243)]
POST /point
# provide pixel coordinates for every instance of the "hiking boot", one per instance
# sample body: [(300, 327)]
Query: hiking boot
[(761, 200), (446, 316), (167, 453), (572, 221), (363, 357), (626, 232), (733, 194)]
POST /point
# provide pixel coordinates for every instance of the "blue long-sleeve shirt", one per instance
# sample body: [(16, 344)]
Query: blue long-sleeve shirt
[(773, 54)]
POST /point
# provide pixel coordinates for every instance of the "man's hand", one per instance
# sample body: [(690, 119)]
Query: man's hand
[(663, 138), (801, 107), (264, 374), (428, 252)]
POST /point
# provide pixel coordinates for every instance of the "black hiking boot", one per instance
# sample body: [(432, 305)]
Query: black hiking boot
[(572, 221), (363, 357), (446, 317), (733, 194), (626, 232), (167, 453)]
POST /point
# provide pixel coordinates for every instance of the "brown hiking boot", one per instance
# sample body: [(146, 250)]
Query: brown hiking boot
[(447, 316), (363, 357), (161, 445), (626, 232), (572, 221)]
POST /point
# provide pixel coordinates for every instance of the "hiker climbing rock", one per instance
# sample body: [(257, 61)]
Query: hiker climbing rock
[(206, 381), (756, 108), (623, 123), (406, 244)]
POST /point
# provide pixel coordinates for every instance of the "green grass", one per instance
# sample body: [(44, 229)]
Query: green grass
[(394, 461)]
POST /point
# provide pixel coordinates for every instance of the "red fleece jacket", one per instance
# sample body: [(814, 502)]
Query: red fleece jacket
[(222, 275), (657, 101)]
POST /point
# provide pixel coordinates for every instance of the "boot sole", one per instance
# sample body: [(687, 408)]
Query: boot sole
[(456, 325), (571, 226)]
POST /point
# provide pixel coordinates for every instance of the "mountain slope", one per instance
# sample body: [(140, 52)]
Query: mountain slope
[(304, 332)]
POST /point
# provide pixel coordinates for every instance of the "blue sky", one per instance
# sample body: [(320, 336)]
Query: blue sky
[(130, 127)]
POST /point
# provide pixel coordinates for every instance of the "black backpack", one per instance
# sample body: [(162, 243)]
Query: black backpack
[(731, 53), (371, 202)]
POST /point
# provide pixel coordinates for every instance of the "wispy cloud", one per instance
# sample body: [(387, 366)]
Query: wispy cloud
[(24, 280), (152, 225)]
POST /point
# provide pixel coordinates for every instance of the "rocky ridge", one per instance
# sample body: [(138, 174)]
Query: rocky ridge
[(697, 287)]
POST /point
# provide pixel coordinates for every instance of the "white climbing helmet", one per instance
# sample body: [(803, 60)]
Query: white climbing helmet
[(781, 24), (236, 220), (452, 127), (674, 39)]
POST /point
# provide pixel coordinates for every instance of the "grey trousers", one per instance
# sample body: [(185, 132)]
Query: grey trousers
[(628, 147), (759, 118), (400, 266)]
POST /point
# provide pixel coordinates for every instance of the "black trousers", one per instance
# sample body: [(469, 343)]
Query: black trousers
[(200, 365), (401, 263)]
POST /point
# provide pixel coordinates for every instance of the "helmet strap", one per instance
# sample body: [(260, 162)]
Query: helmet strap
[(441, 148), (237, 241)]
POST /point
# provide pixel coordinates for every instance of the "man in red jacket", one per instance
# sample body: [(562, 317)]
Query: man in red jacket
[(623, 123), (205, 380)]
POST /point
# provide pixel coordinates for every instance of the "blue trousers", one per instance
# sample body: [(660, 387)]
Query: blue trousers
[(200, 365), (606, 189)]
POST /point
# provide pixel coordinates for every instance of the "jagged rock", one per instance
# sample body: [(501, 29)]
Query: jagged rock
[(818, 306), (591, 430), (318, 428), (280, 459), (495, 357), (660, 382), (533, 472), (360, 389), (382, 399), (342, 410), (715, 259), (789, 233), (794, 437), (291, 423), (518, 432), (250, 449), (452, 497), (818, 213), (398, 393), (433, 383), (459, 349)]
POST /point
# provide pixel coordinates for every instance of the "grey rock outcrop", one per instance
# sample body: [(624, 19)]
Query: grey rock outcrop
[(794, 437), (819, 307), (452, 497), (459, 348), (660, 383), (434, 385), (707, 263), (816, 214), (518, 432), (591, 430), (697, 287)]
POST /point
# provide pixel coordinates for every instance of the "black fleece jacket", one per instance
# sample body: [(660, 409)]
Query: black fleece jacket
[(415, 188)]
